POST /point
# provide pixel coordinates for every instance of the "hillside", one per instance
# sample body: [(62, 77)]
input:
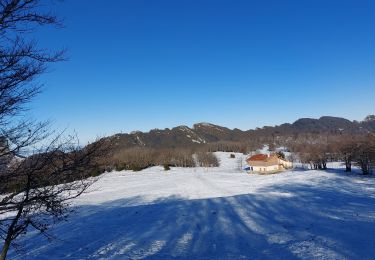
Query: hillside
[(216, 213), (205, 133)]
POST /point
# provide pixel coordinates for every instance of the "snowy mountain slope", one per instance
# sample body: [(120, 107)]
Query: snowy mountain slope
[(218, 213), (203, 133)]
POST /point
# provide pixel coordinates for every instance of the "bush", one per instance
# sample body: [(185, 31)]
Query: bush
[(96, 172), (135, 167), (207, 160), (166, 167), (120, 167), (232, 156)]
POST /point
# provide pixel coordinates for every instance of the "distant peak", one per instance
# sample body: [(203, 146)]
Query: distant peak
[(204, 124), (303, 120), (333, 118), (369, 118)]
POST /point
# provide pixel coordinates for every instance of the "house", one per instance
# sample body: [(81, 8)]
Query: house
[(264, 163)]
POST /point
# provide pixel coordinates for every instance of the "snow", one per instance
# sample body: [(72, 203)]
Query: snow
[(217, 213), (204, 124), (210, 125), (264, 150), (184, 128), (140, 141), (188, 130)]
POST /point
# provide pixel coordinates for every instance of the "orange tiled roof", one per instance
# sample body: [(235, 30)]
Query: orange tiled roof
[(258, 157)]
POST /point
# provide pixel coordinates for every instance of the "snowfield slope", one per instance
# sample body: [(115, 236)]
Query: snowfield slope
[(218, 213)]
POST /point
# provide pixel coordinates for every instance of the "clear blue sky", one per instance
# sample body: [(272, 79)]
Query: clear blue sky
[(138, 65)]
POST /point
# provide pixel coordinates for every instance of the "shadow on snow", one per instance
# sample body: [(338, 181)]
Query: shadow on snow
[(300, 221)]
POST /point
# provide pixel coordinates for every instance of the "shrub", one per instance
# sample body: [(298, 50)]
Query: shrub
[(232, 156), (120, 167), (96, 172), (135, 167), (166, 167), (207, 160)]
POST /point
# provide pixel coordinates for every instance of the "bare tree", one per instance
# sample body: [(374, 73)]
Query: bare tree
[(38, 190), (21, 61), (365, 155), (37, 181), (205, 159), (347, 148), (240, 162)]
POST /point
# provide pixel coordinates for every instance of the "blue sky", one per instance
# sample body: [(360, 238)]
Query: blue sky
[(138, 65)]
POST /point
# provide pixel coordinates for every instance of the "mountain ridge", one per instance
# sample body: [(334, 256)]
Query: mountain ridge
[(205, 133)]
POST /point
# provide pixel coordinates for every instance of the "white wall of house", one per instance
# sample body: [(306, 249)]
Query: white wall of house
[(265, 168), (278, 165)]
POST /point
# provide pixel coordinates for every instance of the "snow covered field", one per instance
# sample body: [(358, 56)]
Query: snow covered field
[(218, 213)]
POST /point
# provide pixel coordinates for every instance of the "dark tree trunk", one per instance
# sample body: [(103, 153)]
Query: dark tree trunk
[(5, 249), (364, 166), (10, 234), (324, 165), (348, 165), (12, 230), (311, 166)]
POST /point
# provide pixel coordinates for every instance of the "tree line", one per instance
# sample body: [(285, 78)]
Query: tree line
[(139, 158), (358, 150)]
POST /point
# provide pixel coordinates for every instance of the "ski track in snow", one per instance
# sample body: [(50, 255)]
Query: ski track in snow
[(217, 213)]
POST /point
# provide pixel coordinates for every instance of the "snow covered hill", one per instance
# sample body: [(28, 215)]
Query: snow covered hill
[(217, 213)]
